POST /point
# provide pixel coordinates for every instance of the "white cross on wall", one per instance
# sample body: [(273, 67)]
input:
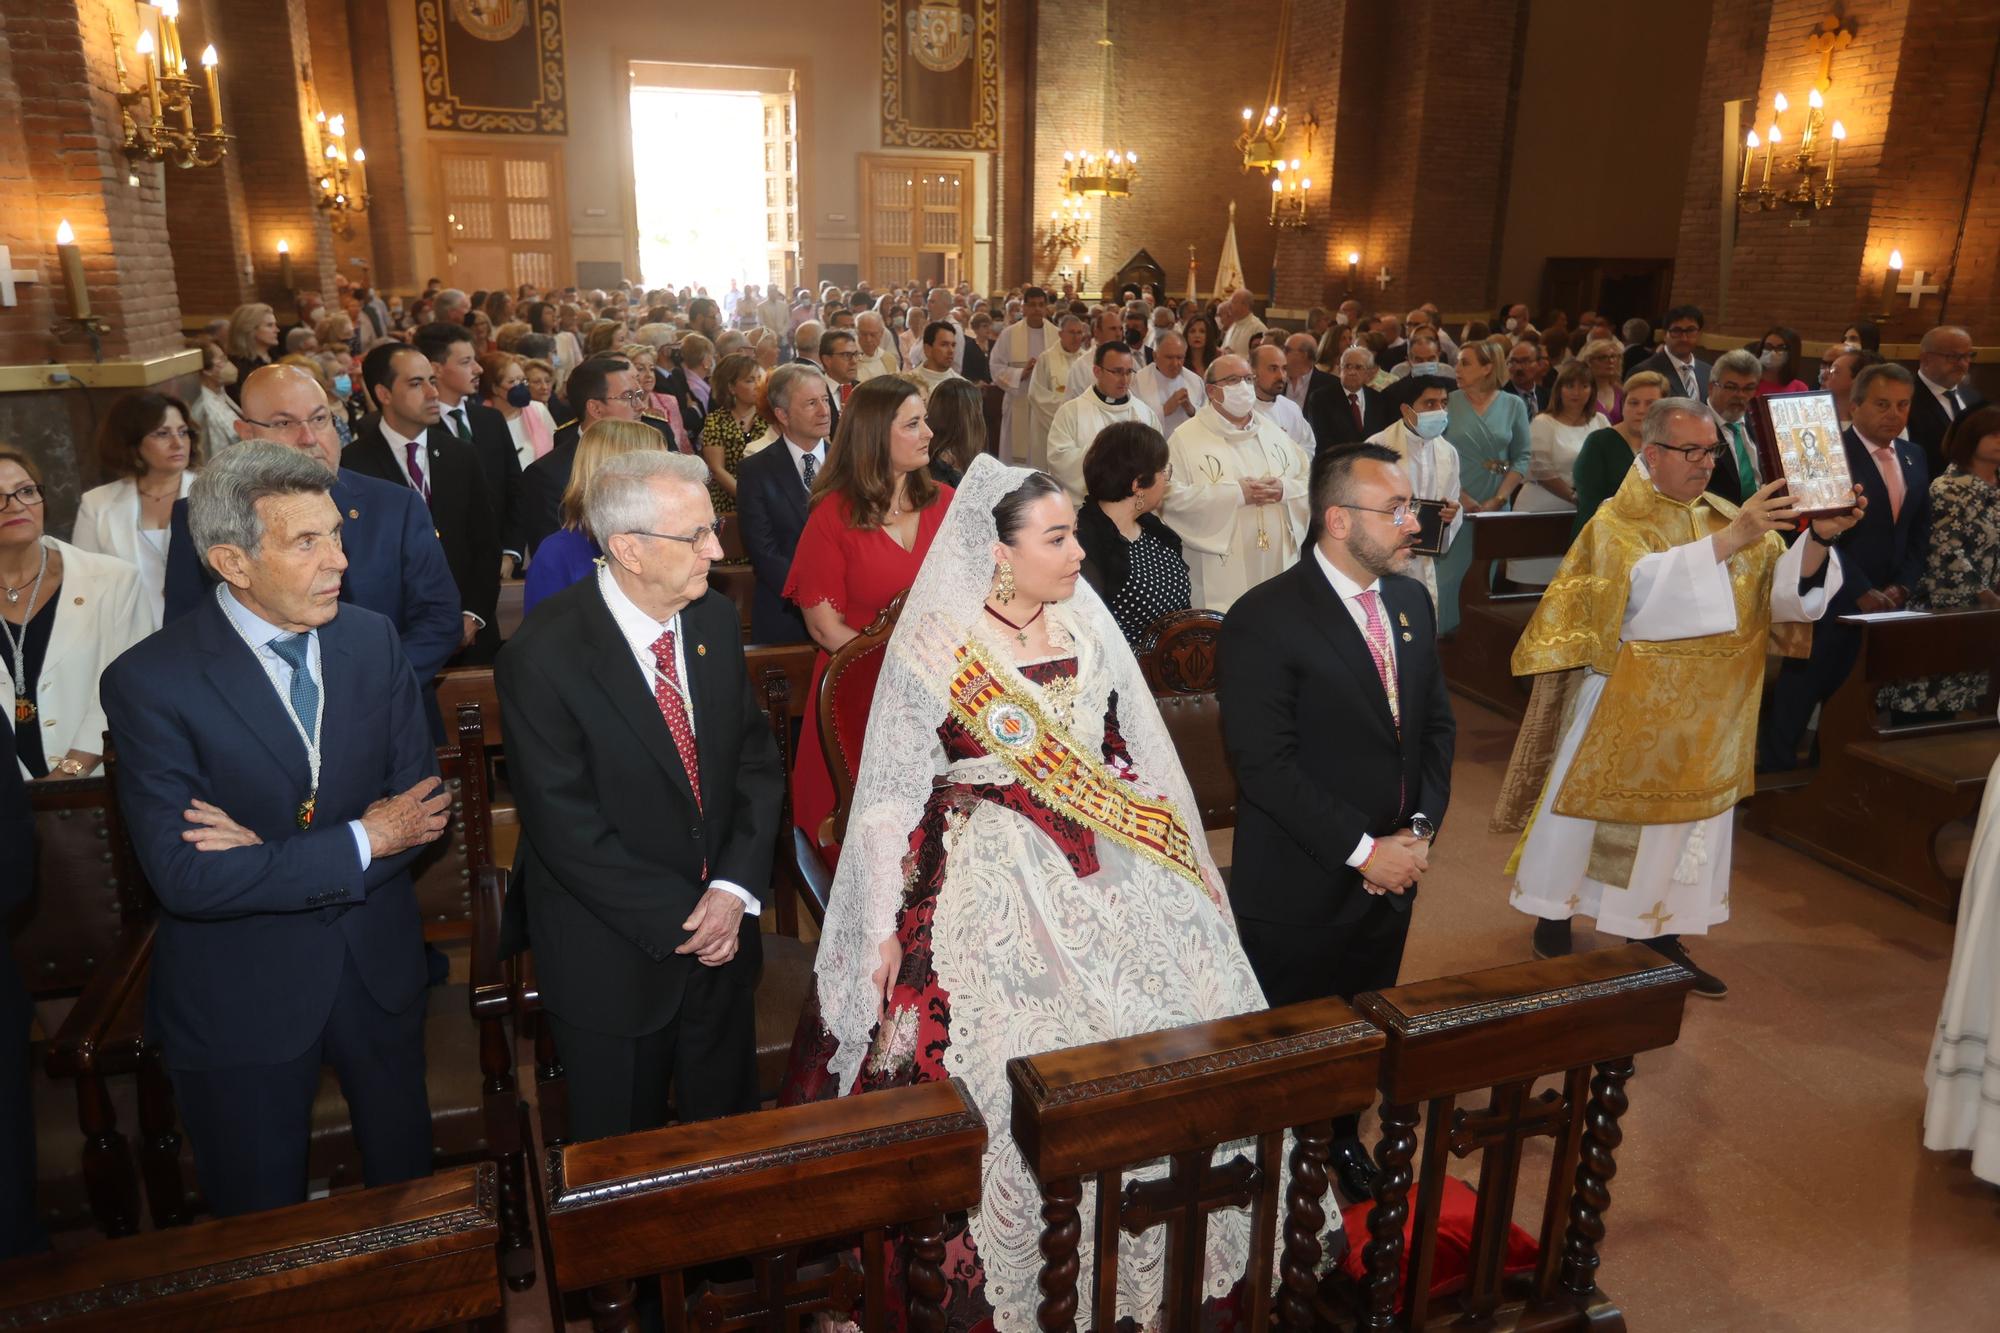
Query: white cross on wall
[(9, 276), (1383, 278), (1915, 288)]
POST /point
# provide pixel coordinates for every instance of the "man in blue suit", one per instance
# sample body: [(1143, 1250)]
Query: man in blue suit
[(277, 781), (1881, 557), (774, 494), (396, 566)]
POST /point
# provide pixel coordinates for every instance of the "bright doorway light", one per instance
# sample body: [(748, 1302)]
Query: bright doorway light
[(698, 168)]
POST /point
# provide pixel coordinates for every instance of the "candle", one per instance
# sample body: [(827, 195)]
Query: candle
[(170, 35), (208, 64), (71, 256), (1770, 152), (152, 73), (285, 264), (1833, 155), (1889, 278), (1277, 185), (1749, 153)]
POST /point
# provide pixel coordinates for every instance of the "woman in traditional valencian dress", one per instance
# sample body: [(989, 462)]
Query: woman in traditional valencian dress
[(981, 911)]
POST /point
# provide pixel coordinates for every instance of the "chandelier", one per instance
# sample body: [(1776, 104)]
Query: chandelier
[(1262, 141), (341, 190), (1289, 191), (1812, 189), (158, 119), (1107, 172)]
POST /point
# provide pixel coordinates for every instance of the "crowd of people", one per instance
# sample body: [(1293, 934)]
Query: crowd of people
[(329, 523)]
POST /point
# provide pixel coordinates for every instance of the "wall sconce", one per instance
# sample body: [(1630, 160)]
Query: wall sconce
[(1353, 271), (70, 255), (1813, 188), (1288, 197), (285, 265), (148, 114), (1068, 224), (342, 193)]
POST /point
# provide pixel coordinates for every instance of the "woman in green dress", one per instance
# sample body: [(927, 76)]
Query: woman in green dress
[(1490, 430), (1607, 455), (733, 421)]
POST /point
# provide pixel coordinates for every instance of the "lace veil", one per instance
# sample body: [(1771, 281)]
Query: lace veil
[(901, 752)]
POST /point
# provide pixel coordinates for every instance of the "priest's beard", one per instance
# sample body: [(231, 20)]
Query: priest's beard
[(1378, 558)]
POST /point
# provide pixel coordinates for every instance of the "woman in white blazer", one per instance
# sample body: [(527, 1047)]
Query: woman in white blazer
[(148, 443), (66, 614)]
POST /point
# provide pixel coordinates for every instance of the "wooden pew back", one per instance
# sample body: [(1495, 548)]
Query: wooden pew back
[(88, 886), (1097, 1111), (1504, 1029), (763, 1185), (443, 873), (413, 1256), (845, 694), (1177, 657), (1477, 658)]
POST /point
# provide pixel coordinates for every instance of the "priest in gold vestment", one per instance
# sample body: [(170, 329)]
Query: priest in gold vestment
[(1650, 645)]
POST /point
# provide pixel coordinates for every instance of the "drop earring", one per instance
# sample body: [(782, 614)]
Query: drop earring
[(1003, 583)]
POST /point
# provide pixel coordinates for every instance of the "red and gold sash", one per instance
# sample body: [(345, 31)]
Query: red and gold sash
[(1013, 729)]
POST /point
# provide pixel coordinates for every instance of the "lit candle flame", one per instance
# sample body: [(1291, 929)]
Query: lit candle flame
[(1751, 141), (65, 234), (284, 247), (1839, 130), (1896, 260), (1774, 136), (1276, 184), (170, 8), (146, 43), (1780, 104), (208, 60), (1353, 257), (1814, 100)]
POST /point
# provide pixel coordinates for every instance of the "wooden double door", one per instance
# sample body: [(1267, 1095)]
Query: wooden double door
[(500, 219)]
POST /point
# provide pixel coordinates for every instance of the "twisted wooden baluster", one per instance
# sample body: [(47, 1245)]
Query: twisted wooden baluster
[(1061, 1230), (1383, 1258), (1304, 1218), (924, 1274), (612, 1306), (1594, 1169)]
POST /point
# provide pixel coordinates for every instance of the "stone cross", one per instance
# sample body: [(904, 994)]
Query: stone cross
[(1916, 288), (1383, 279), (11, 276)]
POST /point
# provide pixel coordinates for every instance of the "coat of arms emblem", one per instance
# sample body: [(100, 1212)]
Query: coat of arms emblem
[(940, 35), (490, 20)]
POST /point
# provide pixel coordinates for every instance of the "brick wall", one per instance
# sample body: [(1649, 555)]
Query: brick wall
[(208, 223), (333, 79), (375, 99)]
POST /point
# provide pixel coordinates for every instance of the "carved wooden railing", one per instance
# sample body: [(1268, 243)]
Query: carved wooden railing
[(1503, 1030), (1097, 1111), (412, 1256), (780, 1187)]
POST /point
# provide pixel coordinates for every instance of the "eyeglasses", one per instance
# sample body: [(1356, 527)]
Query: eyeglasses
[(631, 398), (29, 496), (1229, 381), (181, 433), (1685, 330), (1694, 453), (695, 538), (1115, 373), (1953, 356), (317, 423), (1737, 386), (1398, 515)]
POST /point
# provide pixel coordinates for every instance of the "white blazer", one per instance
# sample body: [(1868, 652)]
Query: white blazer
[(100, 612), (107, 522)]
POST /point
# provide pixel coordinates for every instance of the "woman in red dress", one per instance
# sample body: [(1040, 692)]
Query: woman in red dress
[(875, 510)]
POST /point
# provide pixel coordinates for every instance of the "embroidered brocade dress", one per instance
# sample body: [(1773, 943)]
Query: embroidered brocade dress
[(1023, 931), (1964, 558)]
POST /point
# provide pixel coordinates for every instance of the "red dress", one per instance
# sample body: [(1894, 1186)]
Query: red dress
[(858, 571)]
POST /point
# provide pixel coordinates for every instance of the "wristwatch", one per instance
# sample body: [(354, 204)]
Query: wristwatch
[(71, 767), (1422, 827)]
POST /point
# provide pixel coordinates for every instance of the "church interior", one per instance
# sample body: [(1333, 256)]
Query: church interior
[(1573, 1137)]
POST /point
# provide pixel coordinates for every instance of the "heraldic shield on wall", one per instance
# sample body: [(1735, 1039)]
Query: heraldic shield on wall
[(493, 66), (941, 73)]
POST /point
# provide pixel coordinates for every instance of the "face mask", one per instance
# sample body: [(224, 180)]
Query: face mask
[(1430, 425), (1238, 399), (1773, 360), (1852, 346), (1135, 337), (342, 384), (1424, 368), (1340, 317), (1513, 324), (520, 395), (1825, 374)]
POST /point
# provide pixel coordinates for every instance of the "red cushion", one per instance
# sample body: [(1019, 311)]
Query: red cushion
[(1457, 1203)]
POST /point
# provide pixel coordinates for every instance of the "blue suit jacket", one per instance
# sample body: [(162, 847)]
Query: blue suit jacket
[(771, 505), (251, 941), (1880, 550), (395, 568)]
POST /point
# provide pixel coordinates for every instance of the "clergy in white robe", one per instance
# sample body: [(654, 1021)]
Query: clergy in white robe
[(1167, 386), (877, 356), (1242, 326), (1431, 467), (1268, 364), (1238, 495), (1963, 1109), (930, 376), (1013, 358), (1658, 621), (1078, 421), (1060, 375)]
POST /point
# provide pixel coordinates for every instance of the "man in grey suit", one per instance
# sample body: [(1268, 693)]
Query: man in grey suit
[(1687, 374)]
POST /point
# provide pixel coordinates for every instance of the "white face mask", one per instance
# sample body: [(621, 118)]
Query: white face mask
[(1513, 324), (1431, 424), (1340, 317), (1238, 399), (1772, 359)]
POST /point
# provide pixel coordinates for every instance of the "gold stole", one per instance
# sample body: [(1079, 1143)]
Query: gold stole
[(1013, 728), (1673, 738)]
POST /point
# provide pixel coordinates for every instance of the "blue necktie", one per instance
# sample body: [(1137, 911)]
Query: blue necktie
[(305, 693)]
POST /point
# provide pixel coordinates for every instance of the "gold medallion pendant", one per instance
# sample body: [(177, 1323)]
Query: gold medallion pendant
[(305, 817), (24, 709)]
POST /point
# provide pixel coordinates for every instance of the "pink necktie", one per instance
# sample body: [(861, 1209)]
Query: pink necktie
[(417, 478), (1892, 476), (666, 691), (1378, 648)]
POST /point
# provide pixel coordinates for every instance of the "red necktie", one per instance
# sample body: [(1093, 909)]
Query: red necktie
[(1354, 405), (666, 690), (846, 392)]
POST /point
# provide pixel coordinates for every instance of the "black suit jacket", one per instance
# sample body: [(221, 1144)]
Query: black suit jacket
[(1659, 361), (1318, 760), (978, 368), (500, 464), (772, 505), (1929, 423), (1883, 550), (460, 510), (676, 386), (544, 480), (615, 851), (1332, 419)]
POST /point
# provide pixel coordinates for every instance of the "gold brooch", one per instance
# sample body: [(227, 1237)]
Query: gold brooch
[(701, 650), (1402, 620), (1406, 636), (354, 513)]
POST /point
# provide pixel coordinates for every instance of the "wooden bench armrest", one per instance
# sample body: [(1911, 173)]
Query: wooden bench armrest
[(80, 1043), (492, 988)]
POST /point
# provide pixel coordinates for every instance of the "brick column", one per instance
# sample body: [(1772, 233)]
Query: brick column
[(208, 224), (333, 80), (369, 39)]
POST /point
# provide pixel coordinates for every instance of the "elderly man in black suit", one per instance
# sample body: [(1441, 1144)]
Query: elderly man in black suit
[(1335, 716), (1944, 391), (1881, 556), (1348, 411), (774, 494), (648, 826)]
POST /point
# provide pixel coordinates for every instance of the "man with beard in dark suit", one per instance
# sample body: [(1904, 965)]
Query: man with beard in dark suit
[(602, 387), (1336, 719)]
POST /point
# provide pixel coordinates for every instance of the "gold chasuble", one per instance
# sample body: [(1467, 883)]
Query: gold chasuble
[(1671, 740)]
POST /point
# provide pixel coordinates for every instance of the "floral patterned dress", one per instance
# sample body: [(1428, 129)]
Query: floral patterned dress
[(720, 431), (1964, 559)]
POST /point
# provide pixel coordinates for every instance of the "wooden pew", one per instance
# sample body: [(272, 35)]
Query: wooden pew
[(1504, 1029), (412, 1256), (768, 1185), (1100, 1110), (512, 606), (739, 584), (1882, 793), (1177, 657), (1477, 656)]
